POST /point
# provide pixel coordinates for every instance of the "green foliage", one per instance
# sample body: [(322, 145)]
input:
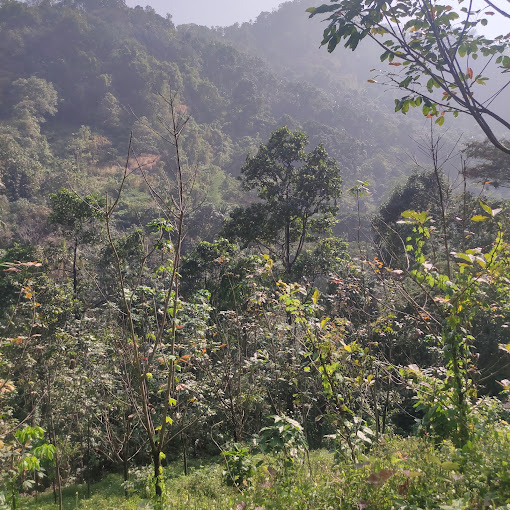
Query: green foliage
[(298, 193), (285, 436), (460, 298), (151, 360), (23, 459), (20, 173), (488, 166), (240, 466), (35, 96), (90, 55), (406, 473), (327, 256), (432, 43), (398, 473), (72, 212)]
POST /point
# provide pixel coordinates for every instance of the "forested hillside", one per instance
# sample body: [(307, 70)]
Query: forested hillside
[(225, 244), (108, 67)]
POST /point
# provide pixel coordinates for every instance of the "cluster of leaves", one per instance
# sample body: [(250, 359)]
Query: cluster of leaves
[(437, 48)]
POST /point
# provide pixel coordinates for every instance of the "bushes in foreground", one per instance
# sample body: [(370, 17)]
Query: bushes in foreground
[(398, 473)]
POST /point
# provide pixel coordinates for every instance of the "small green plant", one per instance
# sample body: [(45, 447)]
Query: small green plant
[(141, 482), (361, 437), (284, 437), (435, 400), (239, 466), (24, 456)]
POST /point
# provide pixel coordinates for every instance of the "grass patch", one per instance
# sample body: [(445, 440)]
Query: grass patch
[(105, 495), (410, 473)]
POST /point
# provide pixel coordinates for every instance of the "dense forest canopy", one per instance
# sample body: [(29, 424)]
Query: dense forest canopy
[(226, 241), (108, 64)]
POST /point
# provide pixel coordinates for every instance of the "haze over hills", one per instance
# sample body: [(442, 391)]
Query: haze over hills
[(108, 65), (294, 45), (207, 13), (227, 12)]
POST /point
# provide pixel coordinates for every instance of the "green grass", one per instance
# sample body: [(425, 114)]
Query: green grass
[(105, 495), (203, 488), (407, 474)]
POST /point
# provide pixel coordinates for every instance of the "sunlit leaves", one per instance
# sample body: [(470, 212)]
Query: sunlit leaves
[(416, 49)]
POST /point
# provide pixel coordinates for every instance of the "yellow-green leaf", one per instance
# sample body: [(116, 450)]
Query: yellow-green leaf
[(450, 466), (487, 208)]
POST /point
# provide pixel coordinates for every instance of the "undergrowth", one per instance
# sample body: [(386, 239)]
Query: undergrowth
[(398, 473)]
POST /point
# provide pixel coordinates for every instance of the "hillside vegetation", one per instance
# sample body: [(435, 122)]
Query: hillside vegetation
[(231, 276)]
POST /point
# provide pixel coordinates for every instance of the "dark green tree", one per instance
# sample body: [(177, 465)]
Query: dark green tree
[(298, 194), (487, 165), (20, 173), (35, 95), (75, 216)]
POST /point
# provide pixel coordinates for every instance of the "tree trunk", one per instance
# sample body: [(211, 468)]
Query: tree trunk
[(184, 454), (88, 469), (125, 467), (125, 455), (158, 475), (75, 269), (287, 248), (57, 463), (54, 439)]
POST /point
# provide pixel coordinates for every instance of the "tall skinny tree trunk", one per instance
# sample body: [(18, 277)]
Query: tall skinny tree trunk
[(125, 453), (75, 268), (57, 456), (158, 475), (287, 248)]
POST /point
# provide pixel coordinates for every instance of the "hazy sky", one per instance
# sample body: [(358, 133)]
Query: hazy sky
[(226, 12), (210, 12)]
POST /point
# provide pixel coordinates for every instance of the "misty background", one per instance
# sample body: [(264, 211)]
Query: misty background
[(227, 12), (207, 13)]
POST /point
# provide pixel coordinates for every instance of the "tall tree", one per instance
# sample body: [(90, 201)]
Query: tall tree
[(298, 194), (75, 216), (35, 95)]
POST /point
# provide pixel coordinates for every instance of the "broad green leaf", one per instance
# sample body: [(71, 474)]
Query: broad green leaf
[(487, 208), (465, 256), (363, 437), (450, 466)]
